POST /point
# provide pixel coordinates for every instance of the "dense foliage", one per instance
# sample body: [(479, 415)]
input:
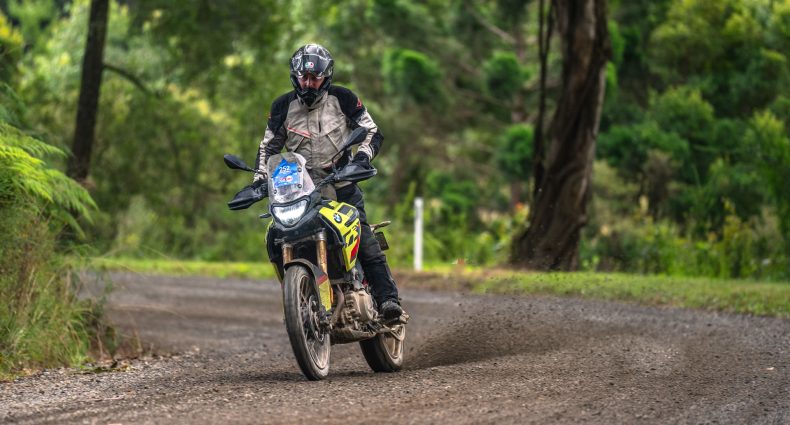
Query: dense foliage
[(41, 323), (694, 123), (693, 147)]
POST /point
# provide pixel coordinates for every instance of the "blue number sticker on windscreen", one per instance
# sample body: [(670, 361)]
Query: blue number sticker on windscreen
[(287, 173)]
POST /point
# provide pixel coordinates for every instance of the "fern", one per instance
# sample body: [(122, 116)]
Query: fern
[(23, 173), (11, 107), (13, 137)]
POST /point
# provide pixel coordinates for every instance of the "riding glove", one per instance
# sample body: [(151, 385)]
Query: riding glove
[(362, 160)]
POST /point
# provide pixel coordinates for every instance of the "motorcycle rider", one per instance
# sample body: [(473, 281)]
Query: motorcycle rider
[(313, 120)]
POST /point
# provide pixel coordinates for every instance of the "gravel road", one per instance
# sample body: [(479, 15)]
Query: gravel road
[(221, 355)]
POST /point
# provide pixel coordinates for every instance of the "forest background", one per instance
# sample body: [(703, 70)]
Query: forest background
[(691, 166)]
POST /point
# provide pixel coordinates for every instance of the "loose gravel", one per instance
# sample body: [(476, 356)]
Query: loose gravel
[(216, 351)]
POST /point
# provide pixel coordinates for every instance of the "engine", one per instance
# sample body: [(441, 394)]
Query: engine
[(359, 308)]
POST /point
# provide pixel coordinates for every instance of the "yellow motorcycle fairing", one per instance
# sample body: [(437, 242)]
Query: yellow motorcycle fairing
[(345, 218)]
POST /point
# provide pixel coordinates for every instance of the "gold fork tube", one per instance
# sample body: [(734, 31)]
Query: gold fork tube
[(321, 253), (322, 262)]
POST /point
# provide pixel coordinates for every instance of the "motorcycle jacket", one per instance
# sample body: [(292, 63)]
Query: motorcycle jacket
[(316, 132)]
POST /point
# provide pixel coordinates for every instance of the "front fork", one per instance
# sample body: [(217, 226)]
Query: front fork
[(324, 288)]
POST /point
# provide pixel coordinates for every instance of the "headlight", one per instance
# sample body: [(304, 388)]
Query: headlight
[(290, 214)]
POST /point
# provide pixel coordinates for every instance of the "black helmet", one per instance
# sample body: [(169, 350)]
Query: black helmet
[(313, 59)]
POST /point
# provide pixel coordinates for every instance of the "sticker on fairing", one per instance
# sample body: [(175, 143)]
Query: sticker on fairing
[(287, 173)]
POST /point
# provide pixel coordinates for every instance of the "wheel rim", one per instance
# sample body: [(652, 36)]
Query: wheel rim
[(393, 342), (317, 340)]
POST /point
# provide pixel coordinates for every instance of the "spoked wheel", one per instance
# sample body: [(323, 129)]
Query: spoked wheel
[(302, 308), (384, 352)]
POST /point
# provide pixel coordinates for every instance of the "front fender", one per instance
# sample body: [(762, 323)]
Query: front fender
[(321, 280)]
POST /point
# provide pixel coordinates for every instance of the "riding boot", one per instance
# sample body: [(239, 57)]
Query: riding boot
[(373, 261), (376, 269)]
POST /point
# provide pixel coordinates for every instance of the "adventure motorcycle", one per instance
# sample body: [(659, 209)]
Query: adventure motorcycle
[(312, 243)]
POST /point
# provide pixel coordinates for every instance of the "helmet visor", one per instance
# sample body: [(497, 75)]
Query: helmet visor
[(311, 64)]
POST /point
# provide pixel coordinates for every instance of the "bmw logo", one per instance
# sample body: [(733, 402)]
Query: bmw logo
[(337, 218)]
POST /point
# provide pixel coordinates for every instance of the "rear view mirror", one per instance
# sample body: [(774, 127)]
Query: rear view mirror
[(356, 137)]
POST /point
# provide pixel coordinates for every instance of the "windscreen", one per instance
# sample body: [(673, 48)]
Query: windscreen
[(288, 178)]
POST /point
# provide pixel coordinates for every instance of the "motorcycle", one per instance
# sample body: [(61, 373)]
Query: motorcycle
[(313, 242)]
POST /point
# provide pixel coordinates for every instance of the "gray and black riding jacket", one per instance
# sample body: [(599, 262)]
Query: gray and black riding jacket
[(317, 132)]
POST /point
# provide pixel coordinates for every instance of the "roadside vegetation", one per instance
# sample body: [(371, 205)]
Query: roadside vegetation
[(42, 323), (727, 295)]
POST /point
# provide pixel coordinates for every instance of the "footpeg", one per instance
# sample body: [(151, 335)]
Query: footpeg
[(401, 320)]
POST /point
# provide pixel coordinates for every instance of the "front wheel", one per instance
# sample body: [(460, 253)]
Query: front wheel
[(302, 305), (384, 352)]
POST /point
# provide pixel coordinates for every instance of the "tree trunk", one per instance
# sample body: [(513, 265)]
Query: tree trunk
[(560, 210), (544, 43), (88, 107)]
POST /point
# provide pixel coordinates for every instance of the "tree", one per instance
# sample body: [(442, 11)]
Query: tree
[(551, 242), (88, 107), (769, 140), (514, 150)]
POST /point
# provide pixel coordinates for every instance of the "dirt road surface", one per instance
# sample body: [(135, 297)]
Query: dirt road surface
[(470, 359)]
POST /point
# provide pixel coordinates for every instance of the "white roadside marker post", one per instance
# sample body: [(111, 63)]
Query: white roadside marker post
[(417, 234)]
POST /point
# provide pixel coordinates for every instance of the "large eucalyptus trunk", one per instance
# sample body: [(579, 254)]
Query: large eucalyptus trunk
[(560, 209), (88, 106)]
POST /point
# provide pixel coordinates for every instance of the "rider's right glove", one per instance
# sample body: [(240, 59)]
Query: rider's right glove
[(260, 188), (249, 195), (258, 183)]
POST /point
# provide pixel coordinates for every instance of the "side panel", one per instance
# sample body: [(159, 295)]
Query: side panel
[(345, 219)]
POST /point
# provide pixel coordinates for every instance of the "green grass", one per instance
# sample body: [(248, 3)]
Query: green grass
[(49, 328), (736, 296), (42, 321), (261, 270)]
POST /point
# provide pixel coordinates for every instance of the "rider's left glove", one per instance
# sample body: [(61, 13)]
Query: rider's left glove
[(362, 159)]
